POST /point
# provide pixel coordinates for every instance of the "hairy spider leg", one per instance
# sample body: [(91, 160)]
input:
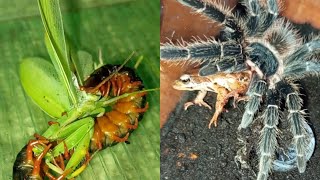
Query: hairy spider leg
[(296, 118), (200, 51), (298, 64), (30, 146), (230, 64), (219, 13), (273, 8), (261, 59), (97, 138), (253, 16), (268, 140), (212, 12), (260, 19), (211, 49), (255, 93)]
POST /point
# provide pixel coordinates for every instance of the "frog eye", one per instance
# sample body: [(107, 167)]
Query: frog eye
[(185, 78)]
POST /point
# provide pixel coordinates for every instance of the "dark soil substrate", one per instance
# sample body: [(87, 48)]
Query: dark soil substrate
[(189, 150)]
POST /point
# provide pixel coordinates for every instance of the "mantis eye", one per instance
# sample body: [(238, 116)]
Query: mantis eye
[(185, 78)]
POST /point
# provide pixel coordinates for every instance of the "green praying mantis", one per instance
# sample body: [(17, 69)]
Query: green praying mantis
[(55, 88)]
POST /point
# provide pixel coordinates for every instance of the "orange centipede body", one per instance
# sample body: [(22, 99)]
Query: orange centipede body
[(115, 126)]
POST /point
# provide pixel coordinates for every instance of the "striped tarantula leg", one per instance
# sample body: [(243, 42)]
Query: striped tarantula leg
[(303, 61), (255, 93), (200, 50), (214, 11), (300, 69), (306, 50), (297, 122), (270, 16), (268, 140), (253, 16), (219, 12), (227, 65)]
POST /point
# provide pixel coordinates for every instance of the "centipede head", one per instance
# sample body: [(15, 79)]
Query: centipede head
[(103, 74), (22, 169)]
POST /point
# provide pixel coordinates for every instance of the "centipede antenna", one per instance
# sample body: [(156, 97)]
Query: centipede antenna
[(125, 62), (113, 73)]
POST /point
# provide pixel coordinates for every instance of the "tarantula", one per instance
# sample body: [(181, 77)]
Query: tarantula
[(266, 44)]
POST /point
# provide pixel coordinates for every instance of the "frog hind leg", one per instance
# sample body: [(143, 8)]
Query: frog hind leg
[(222, 100)]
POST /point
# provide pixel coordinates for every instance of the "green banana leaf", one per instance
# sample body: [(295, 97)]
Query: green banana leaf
[(117, 27)]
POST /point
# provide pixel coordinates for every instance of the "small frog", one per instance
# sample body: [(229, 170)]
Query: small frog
[(226, 85)]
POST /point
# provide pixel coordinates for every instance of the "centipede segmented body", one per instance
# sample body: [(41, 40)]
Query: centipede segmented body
[(114, 126)]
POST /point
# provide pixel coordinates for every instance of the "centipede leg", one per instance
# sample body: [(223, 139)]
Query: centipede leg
[(114, 87), (66, 153), (61, 162), (134, 126), (120, 85), (36, 163), (141, 110), (105, 89), (136, 84), (45, 169), (119, 139), (30, 146), (66, 156), (39, 137), (97, 136)]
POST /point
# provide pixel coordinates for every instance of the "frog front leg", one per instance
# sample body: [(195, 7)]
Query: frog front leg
[(198, 100)]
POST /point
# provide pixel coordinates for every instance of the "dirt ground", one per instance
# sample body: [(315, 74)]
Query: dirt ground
[(189, 150)]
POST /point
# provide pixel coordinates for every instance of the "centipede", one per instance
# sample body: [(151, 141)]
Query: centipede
[(112, 127), (115, 126)]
